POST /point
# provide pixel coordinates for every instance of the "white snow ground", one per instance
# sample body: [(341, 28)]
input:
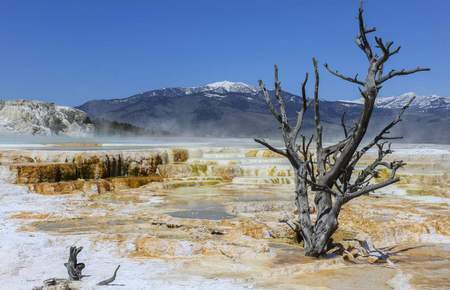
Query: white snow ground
[(28, 258)]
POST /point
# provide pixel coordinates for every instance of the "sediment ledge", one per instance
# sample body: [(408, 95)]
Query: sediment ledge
[(90, 165), (56, 172)]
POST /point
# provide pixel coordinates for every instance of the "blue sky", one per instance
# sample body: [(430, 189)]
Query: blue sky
[(70, 51)]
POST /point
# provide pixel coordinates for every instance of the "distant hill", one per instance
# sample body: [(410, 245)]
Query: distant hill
[(233, 109), (24, 117), (41, 118)]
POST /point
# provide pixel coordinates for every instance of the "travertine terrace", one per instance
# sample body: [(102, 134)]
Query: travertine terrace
[(209, 216)]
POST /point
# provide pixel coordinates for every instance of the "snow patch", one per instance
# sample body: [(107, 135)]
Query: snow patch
[(420, 102), (209, 95), (233, 87)]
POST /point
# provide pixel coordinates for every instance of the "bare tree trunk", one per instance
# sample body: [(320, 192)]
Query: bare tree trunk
[(316, 238), (303, 226), (325, 225), (323, 231)]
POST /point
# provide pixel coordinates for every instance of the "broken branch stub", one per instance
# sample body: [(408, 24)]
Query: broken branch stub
[(109, 280)]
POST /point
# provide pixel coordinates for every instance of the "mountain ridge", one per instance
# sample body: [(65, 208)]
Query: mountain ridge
[(426, 102), (236, 109), (219, 109)]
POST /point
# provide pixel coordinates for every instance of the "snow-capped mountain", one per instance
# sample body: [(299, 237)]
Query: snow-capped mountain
[(235, 109), (41, 118), (184, 110), (420, 103), (213, 90)]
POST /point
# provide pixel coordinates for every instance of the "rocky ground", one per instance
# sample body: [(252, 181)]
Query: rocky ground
[(209, 218)]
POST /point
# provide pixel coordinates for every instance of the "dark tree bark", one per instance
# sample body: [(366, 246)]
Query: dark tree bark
[(328, 174)]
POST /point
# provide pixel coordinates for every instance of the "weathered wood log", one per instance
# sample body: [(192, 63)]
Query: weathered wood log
[(73, 267), (109, 280)]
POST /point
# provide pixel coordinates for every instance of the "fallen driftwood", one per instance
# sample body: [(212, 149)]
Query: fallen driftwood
[(365, 252), (110, 280), (74, 270), (54, 284), (73, 267), (362, 250)]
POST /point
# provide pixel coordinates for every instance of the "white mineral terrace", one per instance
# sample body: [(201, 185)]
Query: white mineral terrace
[(218, 228)]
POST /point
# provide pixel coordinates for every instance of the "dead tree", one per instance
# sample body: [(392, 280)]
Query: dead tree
[(328, 174), (73, 267)]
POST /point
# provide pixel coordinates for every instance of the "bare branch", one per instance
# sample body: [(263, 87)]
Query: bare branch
[(361, 39), (346, 78), (293, 225), (386, 50), (304, 150), (343, 125), (280, 99), (370, 30), (269, 101), (304, 98), (307, 157), (370, 188), (384, 131), (403, 72), (336, 147), (301, 113), (318, 136), (395, 51), (370, 171), (270, 147), (316, 107)]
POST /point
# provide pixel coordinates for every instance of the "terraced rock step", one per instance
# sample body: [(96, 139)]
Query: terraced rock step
[(92, 186), (87, 168)]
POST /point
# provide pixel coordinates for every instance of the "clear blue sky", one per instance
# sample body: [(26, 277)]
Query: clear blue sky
[(70, 51)]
